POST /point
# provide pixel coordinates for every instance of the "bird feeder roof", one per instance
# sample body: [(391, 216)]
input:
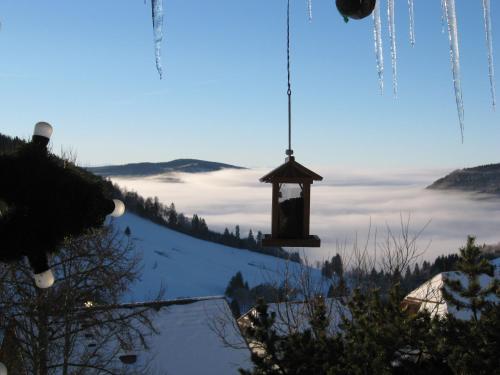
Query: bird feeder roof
[(291, 171)]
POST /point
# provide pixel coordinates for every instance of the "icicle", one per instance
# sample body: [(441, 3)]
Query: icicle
[(451, 20), (310, 10), (443, 17), (489, 45), (392, 35), (377, 36), (412, 22), (157, 9)]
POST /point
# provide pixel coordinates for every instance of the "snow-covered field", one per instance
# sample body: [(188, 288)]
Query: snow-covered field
[(189, 267), (343, 206)]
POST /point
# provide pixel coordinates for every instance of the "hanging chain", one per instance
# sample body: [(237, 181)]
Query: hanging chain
[(289, 151)]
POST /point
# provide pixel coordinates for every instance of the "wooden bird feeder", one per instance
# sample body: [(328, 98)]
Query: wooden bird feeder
[(291, 205)]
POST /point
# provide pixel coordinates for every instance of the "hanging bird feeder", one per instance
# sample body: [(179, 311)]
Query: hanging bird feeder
[(291, 205), (291, 189)]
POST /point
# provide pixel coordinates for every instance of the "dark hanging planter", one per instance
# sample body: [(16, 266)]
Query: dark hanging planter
[(128, 359), (46, 200), (355, 9), (291, 205)]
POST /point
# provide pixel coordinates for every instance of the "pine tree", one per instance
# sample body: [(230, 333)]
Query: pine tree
[(172, 216), (260, 332), (235, 284), (472, 346), (337, 265), (251, 240), (235, 308), (472, 296), (259, 239)]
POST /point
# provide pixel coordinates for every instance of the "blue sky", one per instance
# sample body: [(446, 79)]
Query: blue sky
[(87, 67)]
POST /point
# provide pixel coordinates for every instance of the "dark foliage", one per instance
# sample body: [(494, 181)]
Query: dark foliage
[(244, 297), (45, 201), (378, 336)]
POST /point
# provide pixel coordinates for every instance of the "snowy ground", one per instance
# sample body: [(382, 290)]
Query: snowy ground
[(189, 267)]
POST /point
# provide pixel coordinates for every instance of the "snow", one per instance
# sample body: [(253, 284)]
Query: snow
[(432, 300), (190, 267)]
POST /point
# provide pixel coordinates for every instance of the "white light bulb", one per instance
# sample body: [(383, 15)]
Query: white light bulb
[(3, 369), (45, 279), (43, 129), (119, 208)]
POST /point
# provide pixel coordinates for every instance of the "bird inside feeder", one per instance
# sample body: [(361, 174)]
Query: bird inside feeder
[(291, 182)]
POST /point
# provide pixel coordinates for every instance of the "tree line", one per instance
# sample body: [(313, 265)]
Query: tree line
[(196, 226)]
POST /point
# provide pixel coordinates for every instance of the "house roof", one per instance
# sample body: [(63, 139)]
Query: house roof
[(430, 297), (186, 342), (291, 171)]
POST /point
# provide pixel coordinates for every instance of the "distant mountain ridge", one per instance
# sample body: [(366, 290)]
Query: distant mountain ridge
[(149, 169), (481, 179)]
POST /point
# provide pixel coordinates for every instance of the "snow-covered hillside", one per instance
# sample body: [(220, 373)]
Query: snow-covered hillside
[(189, 267)]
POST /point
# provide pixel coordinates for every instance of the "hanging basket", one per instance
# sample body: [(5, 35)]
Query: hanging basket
[(356, 9)]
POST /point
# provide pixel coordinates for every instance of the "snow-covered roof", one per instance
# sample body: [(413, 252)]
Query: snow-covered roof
[(430, 296), (186, 342)]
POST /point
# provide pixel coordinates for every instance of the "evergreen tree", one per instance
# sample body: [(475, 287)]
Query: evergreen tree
[(195, 224), (235, 308), (472, 347), (203, 228), (128, 232), (235, 283), (472, 296), (172, 216), (261, 333), (337, 265), (251, 240), (259, 239)]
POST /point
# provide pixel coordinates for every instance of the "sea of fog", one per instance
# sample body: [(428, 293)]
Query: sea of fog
[(347, 206)]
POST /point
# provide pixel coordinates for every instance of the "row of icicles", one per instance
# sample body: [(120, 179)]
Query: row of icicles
[(449, 21)]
